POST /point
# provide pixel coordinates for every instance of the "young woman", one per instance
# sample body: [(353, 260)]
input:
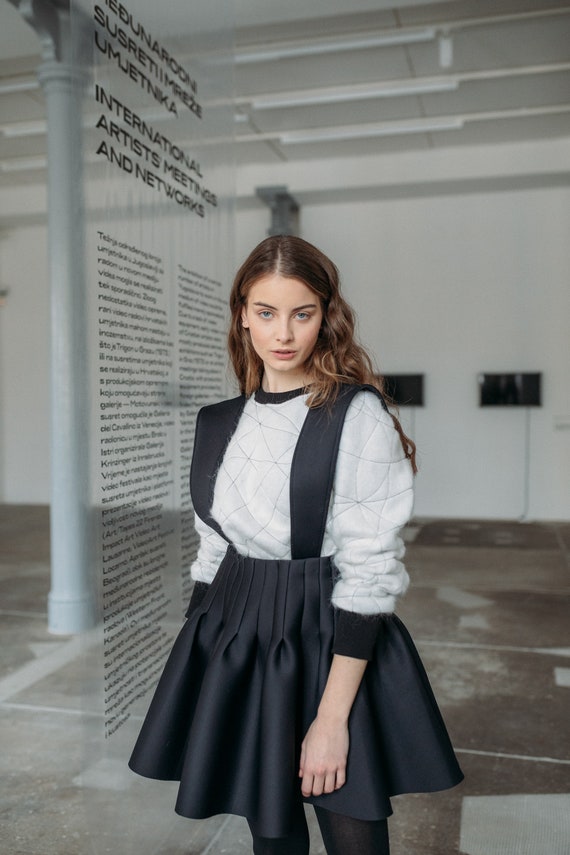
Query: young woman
[(292, 681)]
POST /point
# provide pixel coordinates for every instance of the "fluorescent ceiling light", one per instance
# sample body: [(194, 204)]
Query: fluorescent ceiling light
[(22, 164), (317, 47), (24, 129), (22, 85), (384, 129), (358, 92)]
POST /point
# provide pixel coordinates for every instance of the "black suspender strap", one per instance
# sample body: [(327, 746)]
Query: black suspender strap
[(313, 469), (215, 426)]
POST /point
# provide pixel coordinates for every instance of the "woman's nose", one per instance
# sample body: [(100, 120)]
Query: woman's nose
[(284, 332)]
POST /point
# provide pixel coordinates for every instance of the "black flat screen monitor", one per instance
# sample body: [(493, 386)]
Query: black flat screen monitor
[(510, 390), (405, 390)]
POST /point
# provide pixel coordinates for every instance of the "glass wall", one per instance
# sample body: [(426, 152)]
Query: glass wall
[(156, 175)]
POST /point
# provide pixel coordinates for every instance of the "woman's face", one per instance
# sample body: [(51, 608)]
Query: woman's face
[(284, 317)]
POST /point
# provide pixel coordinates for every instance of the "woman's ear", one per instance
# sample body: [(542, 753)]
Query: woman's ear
[(244, 321)]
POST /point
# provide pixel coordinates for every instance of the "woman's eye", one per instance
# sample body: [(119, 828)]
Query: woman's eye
[(302, 316), (265, 314)]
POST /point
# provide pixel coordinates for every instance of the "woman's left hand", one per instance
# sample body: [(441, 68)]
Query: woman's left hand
[(323, 757), (325, 747)]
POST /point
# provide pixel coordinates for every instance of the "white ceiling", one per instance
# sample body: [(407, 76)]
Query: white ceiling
[(349, 95)]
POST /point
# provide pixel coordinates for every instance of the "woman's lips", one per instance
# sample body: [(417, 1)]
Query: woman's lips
[(283, 354)]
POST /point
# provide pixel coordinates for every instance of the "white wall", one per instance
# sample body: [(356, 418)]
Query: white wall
[(447, 280), (452, 286), (24, 367)]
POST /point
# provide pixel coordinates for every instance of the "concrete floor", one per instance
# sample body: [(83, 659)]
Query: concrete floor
[(488, 609)]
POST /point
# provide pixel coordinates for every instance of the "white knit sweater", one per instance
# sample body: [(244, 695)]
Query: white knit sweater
[(370, 502)]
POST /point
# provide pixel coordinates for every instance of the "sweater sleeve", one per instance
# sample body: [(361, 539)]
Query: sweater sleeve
[(211, 551), (372, 500)]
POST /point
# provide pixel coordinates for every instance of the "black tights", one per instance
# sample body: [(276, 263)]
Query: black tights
[(342, 835)]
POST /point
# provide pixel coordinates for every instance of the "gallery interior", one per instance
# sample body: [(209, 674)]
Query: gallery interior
[(424, 147)]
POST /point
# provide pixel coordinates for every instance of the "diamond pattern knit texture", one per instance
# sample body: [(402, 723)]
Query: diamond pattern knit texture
[(371, 500)]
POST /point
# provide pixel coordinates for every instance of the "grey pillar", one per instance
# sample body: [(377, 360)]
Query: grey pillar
[(71, 604), (284, 210)]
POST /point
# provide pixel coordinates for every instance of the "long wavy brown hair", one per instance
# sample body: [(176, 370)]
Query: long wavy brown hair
[(337, 358)]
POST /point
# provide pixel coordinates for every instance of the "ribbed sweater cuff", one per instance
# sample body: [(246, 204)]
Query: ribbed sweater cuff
[(199, 591), (355, 634)]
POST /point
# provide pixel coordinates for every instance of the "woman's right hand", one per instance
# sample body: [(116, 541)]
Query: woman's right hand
[(324, 752)]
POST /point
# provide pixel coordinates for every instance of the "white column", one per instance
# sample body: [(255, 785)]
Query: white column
[(71, 604)]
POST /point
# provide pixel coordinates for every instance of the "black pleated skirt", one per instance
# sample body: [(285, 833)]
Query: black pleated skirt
[(243, 683)]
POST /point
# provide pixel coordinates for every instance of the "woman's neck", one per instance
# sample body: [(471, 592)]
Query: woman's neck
[(283, 383)]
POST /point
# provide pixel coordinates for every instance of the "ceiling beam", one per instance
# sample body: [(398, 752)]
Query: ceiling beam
[(430, 124), (389, 88), (293, 48)]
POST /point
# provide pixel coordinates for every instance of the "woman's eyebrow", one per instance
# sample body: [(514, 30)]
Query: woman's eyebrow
[(296, 309)]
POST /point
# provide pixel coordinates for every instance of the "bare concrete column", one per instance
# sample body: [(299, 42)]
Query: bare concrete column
[(284, 210), (71, 604)]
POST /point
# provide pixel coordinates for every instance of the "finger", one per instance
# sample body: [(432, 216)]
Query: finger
[(340, 779), (329, 785), (318, 785), (302, 760), (307, 785)]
